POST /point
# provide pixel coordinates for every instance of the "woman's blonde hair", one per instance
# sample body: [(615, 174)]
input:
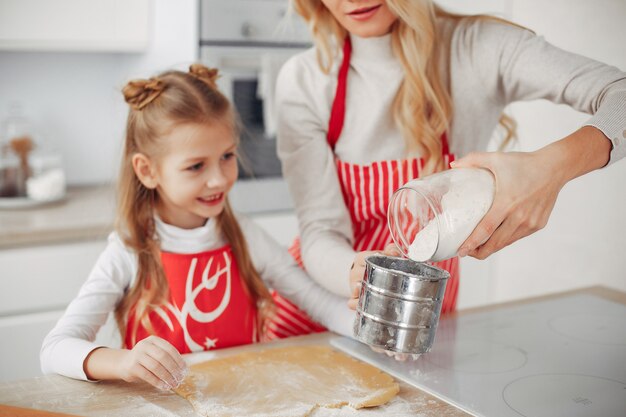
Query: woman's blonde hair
[(423, 105), (156, 106)]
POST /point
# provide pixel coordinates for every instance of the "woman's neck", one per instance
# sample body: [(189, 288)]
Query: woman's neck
[(372, 48)]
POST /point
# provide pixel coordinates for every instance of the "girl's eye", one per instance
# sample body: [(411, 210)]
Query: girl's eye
[(195, 167), (228, 155)]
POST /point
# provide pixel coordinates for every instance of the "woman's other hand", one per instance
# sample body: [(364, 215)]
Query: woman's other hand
[(357, 272), (527, 185)]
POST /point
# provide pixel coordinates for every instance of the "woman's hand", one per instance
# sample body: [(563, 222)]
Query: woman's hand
[(357, 272), (155, 361), (527, 185), (525, 194)]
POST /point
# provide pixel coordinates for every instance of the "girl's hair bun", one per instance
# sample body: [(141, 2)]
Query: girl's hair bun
[(139, 93), (208, 75)]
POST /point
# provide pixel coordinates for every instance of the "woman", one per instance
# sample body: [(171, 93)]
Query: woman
[(396, 89)]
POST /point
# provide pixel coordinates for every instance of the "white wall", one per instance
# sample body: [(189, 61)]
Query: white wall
[(584, 240), (74, 101)]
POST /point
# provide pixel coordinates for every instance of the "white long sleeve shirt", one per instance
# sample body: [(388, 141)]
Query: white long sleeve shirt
[(65, 348), (490, 65)]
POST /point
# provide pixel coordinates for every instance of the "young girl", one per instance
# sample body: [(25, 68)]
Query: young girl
[(182, 273), (395, 89)]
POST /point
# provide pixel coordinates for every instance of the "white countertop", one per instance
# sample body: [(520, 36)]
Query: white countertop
[(87, 213), (118, 398)]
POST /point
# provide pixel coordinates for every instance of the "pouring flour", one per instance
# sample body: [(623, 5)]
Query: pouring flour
[(429, 218)]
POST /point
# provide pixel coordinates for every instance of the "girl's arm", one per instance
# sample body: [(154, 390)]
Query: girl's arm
[(69, 349), (310, 171), (280, 272), (153, 360)]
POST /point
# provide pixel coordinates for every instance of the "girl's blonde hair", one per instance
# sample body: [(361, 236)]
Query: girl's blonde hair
[(158, 105), (423, 106)]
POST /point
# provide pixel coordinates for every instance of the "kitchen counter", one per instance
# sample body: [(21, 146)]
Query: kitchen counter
[(60, 394), (86, 214), (103, 399)]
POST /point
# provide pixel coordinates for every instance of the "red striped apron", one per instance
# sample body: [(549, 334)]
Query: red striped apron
[(367, 190), (208, 306)]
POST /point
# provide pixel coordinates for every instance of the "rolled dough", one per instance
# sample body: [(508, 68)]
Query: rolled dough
[(290, 381)]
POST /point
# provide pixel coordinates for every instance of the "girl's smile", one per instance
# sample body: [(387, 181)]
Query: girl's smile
[(212, 200)]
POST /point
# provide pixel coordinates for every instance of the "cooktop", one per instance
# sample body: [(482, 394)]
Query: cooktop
[(561, 357)]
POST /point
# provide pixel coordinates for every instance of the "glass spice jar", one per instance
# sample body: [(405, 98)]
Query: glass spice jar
[(429, 218)]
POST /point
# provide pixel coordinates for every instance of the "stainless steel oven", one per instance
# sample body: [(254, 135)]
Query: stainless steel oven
[(248, 41)]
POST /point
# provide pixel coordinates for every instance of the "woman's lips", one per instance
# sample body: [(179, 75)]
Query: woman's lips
[(364, 13), (211, 200)]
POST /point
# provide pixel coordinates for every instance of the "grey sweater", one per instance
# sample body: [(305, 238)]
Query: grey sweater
[(490, 65)]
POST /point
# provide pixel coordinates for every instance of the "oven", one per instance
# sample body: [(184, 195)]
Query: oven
[(248, 41)]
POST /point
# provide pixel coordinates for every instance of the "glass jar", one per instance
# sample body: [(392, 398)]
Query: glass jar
[(429, 218), (12, 178), (46, 181)]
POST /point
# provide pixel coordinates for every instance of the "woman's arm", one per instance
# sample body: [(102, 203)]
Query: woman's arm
[(527, 186), (516, 65), (310, 170)]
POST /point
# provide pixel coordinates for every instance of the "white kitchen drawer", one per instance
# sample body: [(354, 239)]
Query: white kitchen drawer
[(44, 278), (21, 337)]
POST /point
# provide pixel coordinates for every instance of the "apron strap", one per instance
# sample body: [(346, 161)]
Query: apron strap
[(445, 148), (338, 111)]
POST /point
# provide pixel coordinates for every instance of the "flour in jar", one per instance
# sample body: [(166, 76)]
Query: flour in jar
[(462, 207)]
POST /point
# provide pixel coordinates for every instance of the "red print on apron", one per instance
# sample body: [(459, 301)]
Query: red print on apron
[(367, 190), (208, 305)]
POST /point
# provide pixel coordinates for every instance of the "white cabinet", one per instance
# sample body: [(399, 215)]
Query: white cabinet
[(36, 284), (74, 25)]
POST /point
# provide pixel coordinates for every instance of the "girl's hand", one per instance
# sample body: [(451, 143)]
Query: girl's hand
[(358, 271), (155, 361), (526, 189)]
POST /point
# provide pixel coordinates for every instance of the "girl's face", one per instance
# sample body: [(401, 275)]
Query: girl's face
[(363, 18), (194, 174)]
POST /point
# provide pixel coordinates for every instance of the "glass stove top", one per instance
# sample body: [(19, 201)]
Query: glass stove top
[(562, 357)]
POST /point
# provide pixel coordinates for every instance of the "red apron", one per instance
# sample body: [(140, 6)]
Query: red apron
[(208, 306), (367, 190)]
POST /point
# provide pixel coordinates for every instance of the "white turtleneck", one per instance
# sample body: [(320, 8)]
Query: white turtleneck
[(490, 65), (65, 348)]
